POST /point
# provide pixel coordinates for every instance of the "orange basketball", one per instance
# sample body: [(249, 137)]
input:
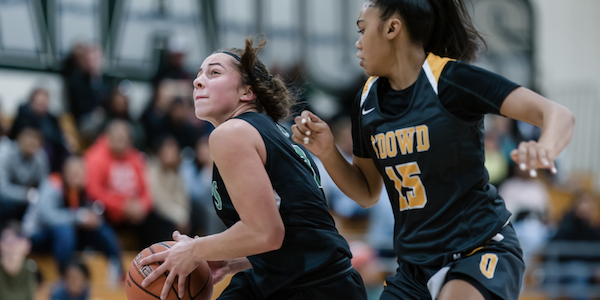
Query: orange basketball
[(198, 285)]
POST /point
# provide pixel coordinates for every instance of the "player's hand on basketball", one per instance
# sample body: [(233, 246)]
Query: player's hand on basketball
[(177, 261), (313, 133), (532, 156), (219, 270)]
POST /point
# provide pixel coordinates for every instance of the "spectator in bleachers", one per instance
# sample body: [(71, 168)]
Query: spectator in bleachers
[(87, 88), (528, 200), (196, 172), (577, 224), (23, 167), (171, 65), (117, 178), (380, 227), (576, 272), (117, 108), (495, 161), (177, 124), (35, 112), (65, 219), (17, 272), (366, 262), (74, 284), (522, 192), (167, 114), (170, 198)]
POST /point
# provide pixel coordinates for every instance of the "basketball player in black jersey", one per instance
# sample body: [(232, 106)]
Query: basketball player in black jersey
[(418, 129), (281, 241)]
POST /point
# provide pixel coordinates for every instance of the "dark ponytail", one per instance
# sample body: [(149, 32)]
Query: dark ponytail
[(272, 96), (443, 26)]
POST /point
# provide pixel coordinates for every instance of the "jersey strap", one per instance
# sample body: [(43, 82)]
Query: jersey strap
[(433, 67), (366, 89)]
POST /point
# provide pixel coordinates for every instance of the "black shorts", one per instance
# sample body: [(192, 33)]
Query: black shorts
[(495, 269), (347, 287)]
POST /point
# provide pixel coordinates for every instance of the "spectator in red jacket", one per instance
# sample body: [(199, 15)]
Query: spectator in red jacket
[(117, 178)]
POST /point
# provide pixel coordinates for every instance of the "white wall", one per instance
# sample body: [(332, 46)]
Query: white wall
[(567, 45)]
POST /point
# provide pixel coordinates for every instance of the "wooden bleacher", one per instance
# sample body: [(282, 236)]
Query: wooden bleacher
[(100, 287)]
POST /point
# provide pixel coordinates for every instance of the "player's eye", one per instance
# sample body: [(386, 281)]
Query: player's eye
[(213, 72), (361, 31)]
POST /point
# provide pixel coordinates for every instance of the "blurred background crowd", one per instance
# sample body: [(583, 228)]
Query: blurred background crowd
[(114, 170)]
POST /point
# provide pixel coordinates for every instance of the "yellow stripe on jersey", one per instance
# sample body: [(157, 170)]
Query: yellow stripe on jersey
[(366, 88), (437, 64), (475, 250)]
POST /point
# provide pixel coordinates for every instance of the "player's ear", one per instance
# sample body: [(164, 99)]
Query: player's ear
[(392, 28), (247, 93)]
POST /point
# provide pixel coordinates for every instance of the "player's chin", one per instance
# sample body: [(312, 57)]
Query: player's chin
[(200, 112)]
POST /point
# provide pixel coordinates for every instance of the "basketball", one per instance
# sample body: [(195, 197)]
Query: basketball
[(198, 284)]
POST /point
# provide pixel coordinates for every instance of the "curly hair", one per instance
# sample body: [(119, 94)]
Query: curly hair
[(272, 96)]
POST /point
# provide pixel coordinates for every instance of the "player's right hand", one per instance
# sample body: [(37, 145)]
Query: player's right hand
[(313, 133)]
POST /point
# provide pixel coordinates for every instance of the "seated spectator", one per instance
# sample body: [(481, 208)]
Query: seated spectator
[(177, 124), (576, 271), (22, 168), (65, 219), (525, 193), (87, 88), (170, 198), (172, 62), (577, 224), (366, 262), (74, 284), (380, 227), (496, 163), (118, 109), (118, 180), (35, 113), (196, 172), (17, 272), (166, 114)]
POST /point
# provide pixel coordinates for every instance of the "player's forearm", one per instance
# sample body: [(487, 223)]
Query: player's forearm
[(350, 179), (558, 125), (238, 264), (240, 240)]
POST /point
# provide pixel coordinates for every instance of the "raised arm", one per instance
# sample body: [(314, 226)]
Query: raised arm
[(557, 124), (359, 180)]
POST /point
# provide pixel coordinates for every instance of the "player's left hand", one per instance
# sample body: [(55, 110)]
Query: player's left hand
[(532, 156), (178, 262)]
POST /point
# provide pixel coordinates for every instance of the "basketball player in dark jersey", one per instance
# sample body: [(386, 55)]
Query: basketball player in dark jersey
[(418, 128), (281, 240)]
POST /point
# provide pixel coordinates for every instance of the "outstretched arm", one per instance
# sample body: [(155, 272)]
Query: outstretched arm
[(557, 124), (359, 180)]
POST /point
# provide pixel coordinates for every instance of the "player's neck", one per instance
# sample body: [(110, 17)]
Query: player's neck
[(407, 67)]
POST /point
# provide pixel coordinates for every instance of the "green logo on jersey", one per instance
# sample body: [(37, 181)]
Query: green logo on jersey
[(217, 198), (287, 135), (301, 153)]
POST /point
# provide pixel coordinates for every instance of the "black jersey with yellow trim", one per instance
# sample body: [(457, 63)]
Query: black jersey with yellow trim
[(432, 163), (311, 242)]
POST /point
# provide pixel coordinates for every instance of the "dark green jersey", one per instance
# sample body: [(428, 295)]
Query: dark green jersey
[(432, 163), (311, 240)]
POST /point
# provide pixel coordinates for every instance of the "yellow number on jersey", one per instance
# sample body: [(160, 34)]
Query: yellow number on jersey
[(488, 265), (409, 179)]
